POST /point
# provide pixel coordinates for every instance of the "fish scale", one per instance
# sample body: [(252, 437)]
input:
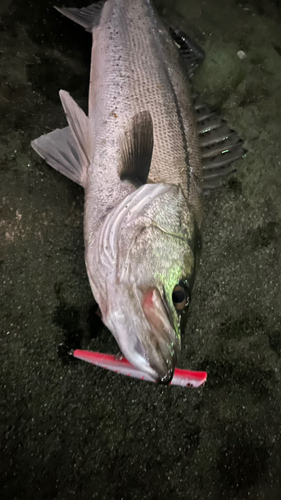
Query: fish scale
[(121, 34)]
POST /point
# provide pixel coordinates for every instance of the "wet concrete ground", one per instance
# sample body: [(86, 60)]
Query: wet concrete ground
[(69, 429)]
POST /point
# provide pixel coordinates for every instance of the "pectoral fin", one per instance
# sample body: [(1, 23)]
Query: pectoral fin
[(137, 148)]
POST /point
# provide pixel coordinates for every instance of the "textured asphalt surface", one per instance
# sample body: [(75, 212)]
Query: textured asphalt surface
[(68, 429)]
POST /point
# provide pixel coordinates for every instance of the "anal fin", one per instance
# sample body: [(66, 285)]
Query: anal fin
[(88, 17)]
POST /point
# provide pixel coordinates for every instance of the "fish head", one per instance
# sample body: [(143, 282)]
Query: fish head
[(145, 268)]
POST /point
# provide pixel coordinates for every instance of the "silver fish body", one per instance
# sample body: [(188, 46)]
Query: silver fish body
[(137, 67), (141, 241)]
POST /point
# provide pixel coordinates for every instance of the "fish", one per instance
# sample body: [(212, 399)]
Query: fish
[(146, 154), (183, 378)]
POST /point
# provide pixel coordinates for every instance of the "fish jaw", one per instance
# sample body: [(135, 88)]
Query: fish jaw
[(146, 336), (166, 334)]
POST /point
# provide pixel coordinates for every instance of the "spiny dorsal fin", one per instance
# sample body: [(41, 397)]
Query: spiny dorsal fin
[(220, 145), (137, 150), (190, 51), (88, 17)]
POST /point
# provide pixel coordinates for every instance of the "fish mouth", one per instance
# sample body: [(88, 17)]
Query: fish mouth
[(147, 338), (163, 348)]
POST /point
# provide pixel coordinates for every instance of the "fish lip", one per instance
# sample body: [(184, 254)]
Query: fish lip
[(171, 366), (166, 380), (167, 309), (159, 318)]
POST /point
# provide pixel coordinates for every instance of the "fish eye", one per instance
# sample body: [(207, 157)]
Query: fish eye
[(180, 297)]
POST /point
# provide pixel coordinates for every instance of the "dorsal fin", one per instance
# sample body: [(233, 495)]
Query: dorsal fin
[(137, 150), (192, 54), (220, 145), (88, 17)]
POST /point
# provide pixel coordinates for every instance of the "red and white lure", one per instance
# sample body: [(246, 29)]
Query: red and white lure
[(184, 378)]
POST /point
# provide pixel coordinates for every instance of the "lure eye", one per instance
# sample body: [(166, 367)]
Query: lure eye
[(180, 297)]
